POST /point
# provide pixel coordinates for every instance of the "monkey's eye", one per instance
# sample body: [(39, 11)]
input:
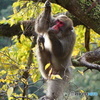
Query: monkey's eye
[(59, 22)]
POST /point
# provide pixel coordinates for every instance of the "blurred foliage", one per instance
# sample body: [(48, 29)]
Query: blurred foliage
[(26, 10), (4, 3), (5, 8), (87, 82), (6, 12), (5, 41), (14, 58), (13, 64), (80, 40)]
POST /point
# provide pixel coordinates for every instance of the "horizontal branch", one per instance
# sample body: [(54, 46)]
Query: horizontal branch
[(80, 10), (80, 17), (89, 58), (6, 30), (9, 31)]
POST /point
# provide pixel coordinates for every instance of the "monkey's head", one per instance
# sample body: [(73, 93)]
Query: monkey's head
[(67, 22), (64, 19), (62, 25)]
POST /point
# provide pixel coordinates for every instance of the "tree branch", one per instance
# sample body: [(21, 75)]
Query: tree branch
[(89, 58), (79, 10), (26, 73), (87, 39), (6, 30)]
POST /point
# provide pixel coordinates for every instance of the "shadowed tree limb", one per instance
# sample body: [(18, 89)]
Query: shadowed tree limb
[(73, 6), (89, 59), (87, 39), (79, 10)]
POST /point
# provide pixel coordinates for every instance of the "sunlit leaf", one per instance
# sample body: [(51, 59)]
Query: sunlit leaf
[(55, 76), (24, 81), (2, 72), (47, 66), (72, 67), (15, 4), (75, 52), (22, 38), (81, 72), (84, 98), (35, 96), (2, 80), (81, 91), (22, 66), (22, 27), (35, 78), (10, 91)]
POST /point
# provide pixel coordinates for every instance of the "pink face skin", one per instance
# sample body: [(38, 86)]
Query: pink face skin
[(58, 25)]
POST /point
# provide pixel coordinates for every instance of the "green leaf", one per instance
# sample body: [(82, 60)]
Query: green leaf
[(47, 66), (81, 72), (72, 67), (10, 91), (22, 27), (56, 76)]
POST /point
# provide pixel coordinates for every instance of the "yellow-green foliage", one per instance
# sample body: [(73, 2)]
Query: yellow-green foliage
[(23, 10), (79, 45), (80, 40), (94, 40), (13, 63), (26, 10), (56, 9), (13, 59)]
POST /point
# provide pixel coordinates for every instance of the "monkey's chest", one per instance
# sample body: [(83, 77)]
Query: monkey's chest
[(49, 53), (47, 43), (55, 64)]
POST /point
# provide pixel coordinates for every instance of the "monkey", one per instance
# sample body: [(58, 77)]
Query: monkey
[(55, 42)]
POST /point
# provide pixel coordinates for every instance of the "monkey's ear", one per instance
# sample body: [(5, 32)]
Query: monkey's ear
[(70, 28)]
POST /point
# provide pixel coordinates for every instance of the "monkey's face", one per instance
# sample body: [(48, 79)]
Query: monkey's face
[(58, 27), (62, 26), (59, 24), (67, 22)]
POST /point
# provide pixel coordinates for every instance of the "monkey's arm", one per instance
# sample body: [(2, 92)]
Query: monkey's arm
[(62, 47), (42, 23), (57, 47), (69, 43)]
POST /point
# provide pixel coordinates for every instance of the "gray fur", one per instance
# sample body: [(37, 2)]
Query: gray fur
[(56, 49)]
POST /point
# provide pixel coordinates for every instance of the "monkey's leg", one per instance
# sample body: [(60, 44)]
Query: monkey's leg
[(42, 61), (41, 41), (55, 89)]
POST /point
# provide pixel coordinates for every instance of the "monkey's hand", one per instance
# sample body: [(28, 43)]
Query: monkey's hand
[(47, 4), (52, 33), (41, 42)]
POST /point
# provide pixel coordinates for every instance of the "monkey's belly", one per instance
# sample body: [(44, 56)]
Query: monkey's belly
[(47, 42)]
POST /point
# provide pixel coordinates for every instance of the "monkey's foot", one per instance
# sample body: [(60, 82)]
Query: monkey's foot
[(41, 42), (41, 39)]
